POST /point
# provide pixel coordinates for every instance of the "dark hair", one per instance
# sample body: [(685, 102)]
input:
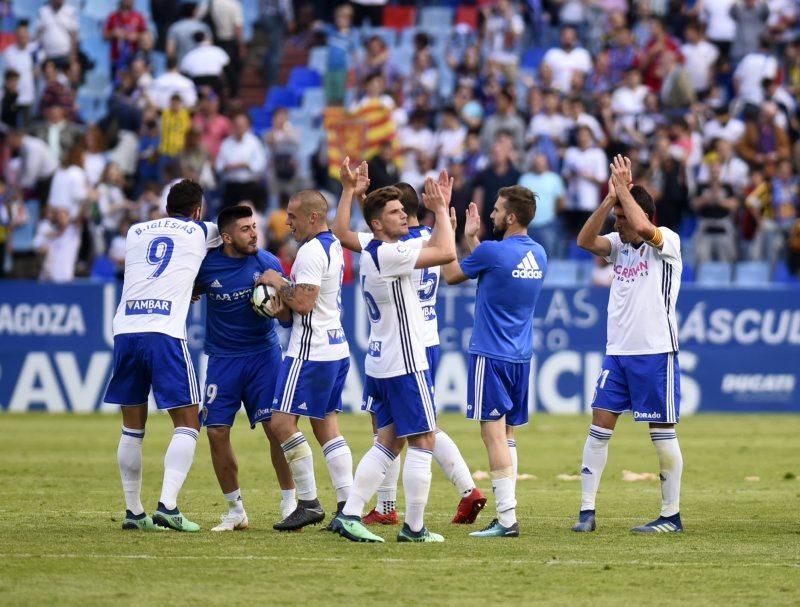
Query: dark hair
[(11, 73), (644, 200), (188, 10), (22, 23), (408, 198), (228, 217), (520, 201), (183, 198), (172, 63), (376, 201), (199, 36)]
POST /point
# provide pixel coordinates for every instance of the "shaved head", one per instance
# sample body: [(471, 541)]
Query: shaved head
[(311, 201)]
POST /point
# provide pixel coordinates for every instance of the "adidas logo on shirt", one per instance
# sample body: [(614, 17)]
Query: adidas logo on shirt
[(216, 284), (527, 268)]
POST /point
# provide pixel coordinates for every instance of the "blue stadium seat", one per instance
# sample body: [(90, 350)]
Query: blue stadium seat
[(23, 236), (90, 28), (714, 274), (563, 273), (576, 253), (781, 275), (92, 105), (532, 58), (103, 269), (301, 78), (436, 16), (309, 142), (318, 59), (388, 35), (280, 96), (261, 119), (25, 9), (687, 276), (314, 101), (98, 9), (752, 274), (158, 63)]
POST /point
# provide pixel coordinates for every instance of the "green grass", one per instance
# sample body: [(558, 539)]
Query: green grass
[(61, 508)]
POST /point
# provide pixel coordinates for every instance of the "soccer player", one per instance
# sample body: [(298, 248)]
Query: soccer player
[(162, 258), (640, 370), (426, 282), (244, 357), (317, 360), (398, 383), (510, 273)]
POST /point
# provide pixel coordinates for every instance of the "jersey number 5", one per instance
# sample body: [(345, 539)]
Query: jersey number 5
[(427, 284), (159, 252)]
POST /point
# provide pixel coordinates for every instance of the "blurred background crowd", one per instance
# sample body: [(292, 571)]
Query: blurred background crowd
[(103, 107)]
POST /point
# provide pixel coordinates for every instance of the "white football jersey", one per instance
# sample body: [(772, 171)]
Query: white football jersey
[(426, 283), (162, 258), (641, 305), (396, 323), (319, 335)]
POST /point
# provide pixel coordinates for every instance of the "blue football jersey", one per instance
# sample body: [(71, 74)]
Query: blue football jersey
[(510, 274), (232, 328)]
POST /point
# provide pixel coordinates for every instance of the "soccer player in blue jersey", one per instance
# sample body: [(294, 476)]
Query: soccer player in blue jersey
[(510, 273), (317, 360), (244, 357), (426, 282), (162, 258), (640, 371)]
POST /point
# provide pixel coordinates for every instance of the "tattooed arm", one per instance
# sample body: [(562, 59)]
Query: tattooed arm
[(300, 298)]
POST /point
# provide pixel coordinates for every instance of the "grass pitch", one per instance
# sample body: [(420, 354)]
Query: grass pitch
[(61, 509)]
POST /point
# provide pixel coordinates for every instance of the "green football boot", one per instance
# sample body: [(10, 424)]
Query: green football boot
[(173, 519), (351, 528)]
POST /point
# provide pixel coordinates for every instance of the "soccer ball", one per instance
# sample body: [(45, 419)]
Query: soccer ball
[(260, 300)]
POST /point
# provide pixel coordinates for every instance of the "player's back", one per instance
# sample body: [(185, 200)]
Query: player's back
[(162, 258), (510, 274), (319, 335), (426, 282)]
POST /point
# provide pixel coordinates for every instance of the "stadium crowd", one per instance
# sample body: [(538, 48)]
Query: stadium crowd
[(103, 108)]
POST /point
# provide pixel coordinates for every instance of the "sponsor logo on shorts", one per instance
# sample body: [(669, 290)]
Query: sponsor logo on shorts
[(374, 349), (336, 336), (645, 415), (262, 413), (135, 307)]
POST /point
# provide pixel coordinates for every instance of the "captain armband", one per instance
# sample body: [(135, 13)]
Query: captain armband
[(657, 239)]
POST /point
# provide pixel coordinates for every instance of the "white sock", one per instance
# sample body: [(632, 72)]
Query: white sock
[(387, 490), (512, 449), (129, 458), (416, 485), (503, 488), (288, 502), (447, 455), (371, 470), (595, 454), (235, 503), (340, 466), (177, 462), (301, 463), (670, 463)]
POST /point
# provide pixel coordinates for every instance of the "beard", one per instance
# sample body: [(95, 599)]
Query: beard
[(246, 249), (499, 231)]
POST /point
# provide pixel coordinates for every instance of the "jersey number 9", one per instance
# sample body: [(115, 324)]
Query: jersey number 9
[(159, 252)]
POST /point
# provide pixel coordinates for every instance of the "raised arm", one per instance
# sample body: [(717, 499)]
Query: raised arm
[(452, 272), (441, 248), (353, 184), (620, 172), (589, 237)]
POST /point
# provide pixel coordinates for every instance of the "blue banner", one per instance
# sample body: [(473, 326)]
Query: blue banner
[(740, 350)]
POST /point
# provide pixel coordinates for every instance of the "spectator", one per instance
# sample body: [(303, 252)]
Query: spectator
[(57, 32), (276, 17), (505, 119), (424, 77), (677, 91), (722, 126), (59, 133), (125, 28), (763, 140), (175, 123), (567, 59), (621, 54), (504, 30), (283, 142), (342, 42), (474, 160), (170, 83), (57, 239), (11, 114), (19, 58), (752, 70), (733, 170), (578, 116), (37, 164), (545, 228), (95, 159), (383, 169), (205, 63), (56, 91), (793, 249), (374, 90), (586, 171), (449, 138), (720, 23), (240, 165), (112, 206), (118, 248), (147, 166), (550, 122), (716, 207), (180, 36), (414, 139), (775, 219), (750, 17), (194, 161), (461, 196), (500, 173), (12, 217), (70, 189), (660, 48), (214, 127), (700, 57), (228, 19)]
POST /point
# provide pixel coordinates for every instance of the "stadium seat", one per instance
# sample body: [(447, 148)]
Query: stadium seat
[(576, 253), (318, 59), (781, 275), (90, 28), (98, 81), (751, 274), (301, 78), (261, 119), (103, 269), (300, 119), (280, 96), (98, 9), (309, 142), (436, 16), (714, 274), (23, 235), (468, 15), (388, 35), (687, 276), (314, 101), (158, 63), (399, 17), (401, 59), (563, 273), (533, 57), (24, 9)]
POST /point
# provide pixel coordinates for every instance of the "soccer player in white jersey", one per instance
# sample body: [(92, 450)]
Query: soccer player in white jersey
[(398, 382), (426, 281), (640, 371), (317, 360), (162, 258)]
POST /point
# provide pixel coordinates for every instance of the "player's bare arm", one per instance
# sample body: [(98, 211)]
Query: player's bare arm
[(299, 298), (353, 185), (441, 248), (620, 176), (452, 271)]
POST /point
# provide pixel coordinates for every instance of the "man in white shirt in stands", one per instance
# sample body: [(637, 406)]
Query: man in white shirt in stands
[(57, 31), (37, 163), (567, 59), (241, 163), (58, 239), (585, 169), (205, 63), (699, 58), (20, 57), (170, 83), (753, 70), (723, 126)]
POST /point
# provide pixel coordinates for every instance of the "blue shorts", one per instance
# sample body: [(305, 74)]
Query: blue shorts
[(310, 388), (497, 388), (142, 360), (649, 385), (433, 353), (405, 401), (231, 381)]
